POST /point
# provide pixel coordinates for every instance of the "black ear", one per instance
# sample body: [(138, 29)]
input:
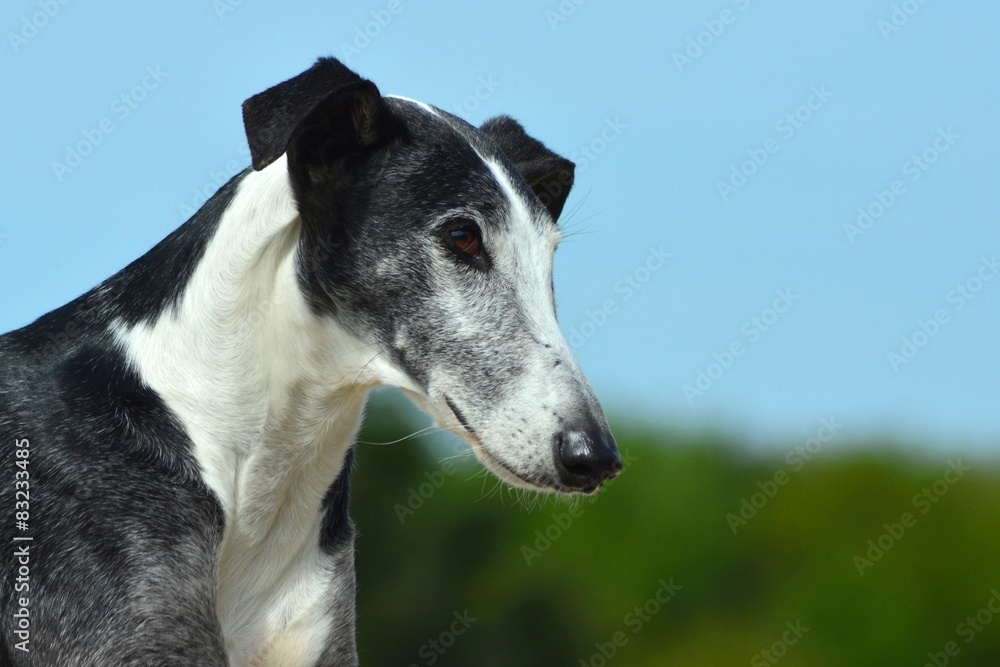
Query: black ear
[(549, 175), (318, 117)]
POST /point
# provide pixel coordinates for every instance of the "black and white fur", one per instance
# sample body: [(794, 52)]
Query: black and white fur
[(191, 419)]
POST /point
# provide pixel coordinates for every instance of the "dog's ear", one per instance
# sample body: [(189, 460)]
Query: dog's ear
[(320, 118), (550, 176)]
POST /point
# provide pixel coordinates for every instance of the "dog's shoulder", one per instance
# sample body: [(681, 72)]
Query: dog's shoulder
[(112, 484)]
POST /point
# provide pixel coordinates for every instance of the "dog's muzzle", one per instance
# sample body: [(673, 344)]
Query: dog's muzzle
[(586, 458)]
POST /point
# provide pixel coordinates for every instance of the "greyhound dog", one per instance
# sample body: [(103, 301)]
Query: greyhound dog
[(178, 441)]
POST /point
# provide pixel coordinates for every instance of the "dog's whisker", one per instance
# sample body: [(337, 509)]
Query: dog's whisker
[(482, 472), (567, 218), (415, 434), (484, 494), (457, 455), (357, 385)]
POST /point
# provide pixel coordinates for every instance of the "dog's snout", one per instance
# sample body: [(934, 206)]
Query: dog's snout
[(586, 458)]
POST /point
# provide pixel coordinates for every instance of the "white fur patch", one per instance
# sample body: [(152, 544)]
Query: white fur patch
[(423, 105), (267, 393)]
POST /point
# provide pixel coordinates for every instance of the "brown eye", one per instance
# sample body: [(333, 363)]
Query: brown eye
[(466, 240)]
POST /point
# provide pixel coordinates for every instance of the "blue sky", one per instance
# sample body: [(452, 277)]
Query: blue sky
[(783, 213)]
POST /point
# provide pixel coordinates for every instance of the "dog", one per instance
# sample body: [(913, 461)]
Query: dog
[(179, 439)]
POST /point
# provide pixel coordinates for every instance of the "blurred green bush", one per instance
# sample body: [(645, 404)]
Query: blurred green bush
[(700, 554)]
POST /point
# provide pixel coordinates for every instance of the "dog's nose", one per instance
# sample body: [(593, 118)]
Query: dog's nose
[(586, 458)]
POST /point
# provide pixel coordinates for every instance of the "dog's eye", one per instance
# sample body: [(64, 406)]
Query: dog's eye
[(466, 240)]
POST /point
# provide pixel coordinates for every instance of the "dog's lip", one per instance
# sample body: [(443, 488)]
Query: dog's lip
[(459, 416), (480, 450), (545, 483)]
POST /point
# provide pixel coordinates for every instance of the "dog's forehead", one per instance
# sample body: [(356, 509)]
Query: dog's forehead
[(471, 162), (430, 123)]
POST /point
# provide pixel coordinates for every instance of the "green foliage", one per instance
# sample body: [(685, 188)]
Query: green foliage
[(552, 582)]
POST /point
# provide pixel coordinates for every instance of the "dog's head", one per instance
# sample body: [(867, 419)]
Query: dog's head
[(433, 240)]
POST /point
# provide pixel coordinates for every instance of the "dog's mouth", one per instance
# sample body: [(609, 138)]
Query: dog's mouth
[(460, 417), (494, 464), (503, 471)]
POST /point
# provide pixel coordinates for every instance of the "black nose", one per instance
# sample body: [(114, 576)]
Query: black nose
[(586, 458)]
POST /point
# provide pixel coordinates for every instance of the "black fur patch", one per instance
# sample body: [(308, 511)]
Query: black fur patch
[(337, 531), (125, 533)]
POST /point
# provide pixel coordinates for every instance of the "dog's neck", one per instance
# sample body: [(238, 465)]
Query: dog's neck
[(242, 360), (270, 393)]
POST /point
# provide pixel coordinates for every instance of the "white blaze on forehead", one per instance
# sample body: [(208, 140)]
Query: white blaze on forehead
[(423, 105), (531, 245), (519, 209)]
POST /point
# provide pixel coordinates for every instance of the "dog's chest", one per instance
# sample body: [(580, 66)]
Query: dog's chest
[(283, 617)]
